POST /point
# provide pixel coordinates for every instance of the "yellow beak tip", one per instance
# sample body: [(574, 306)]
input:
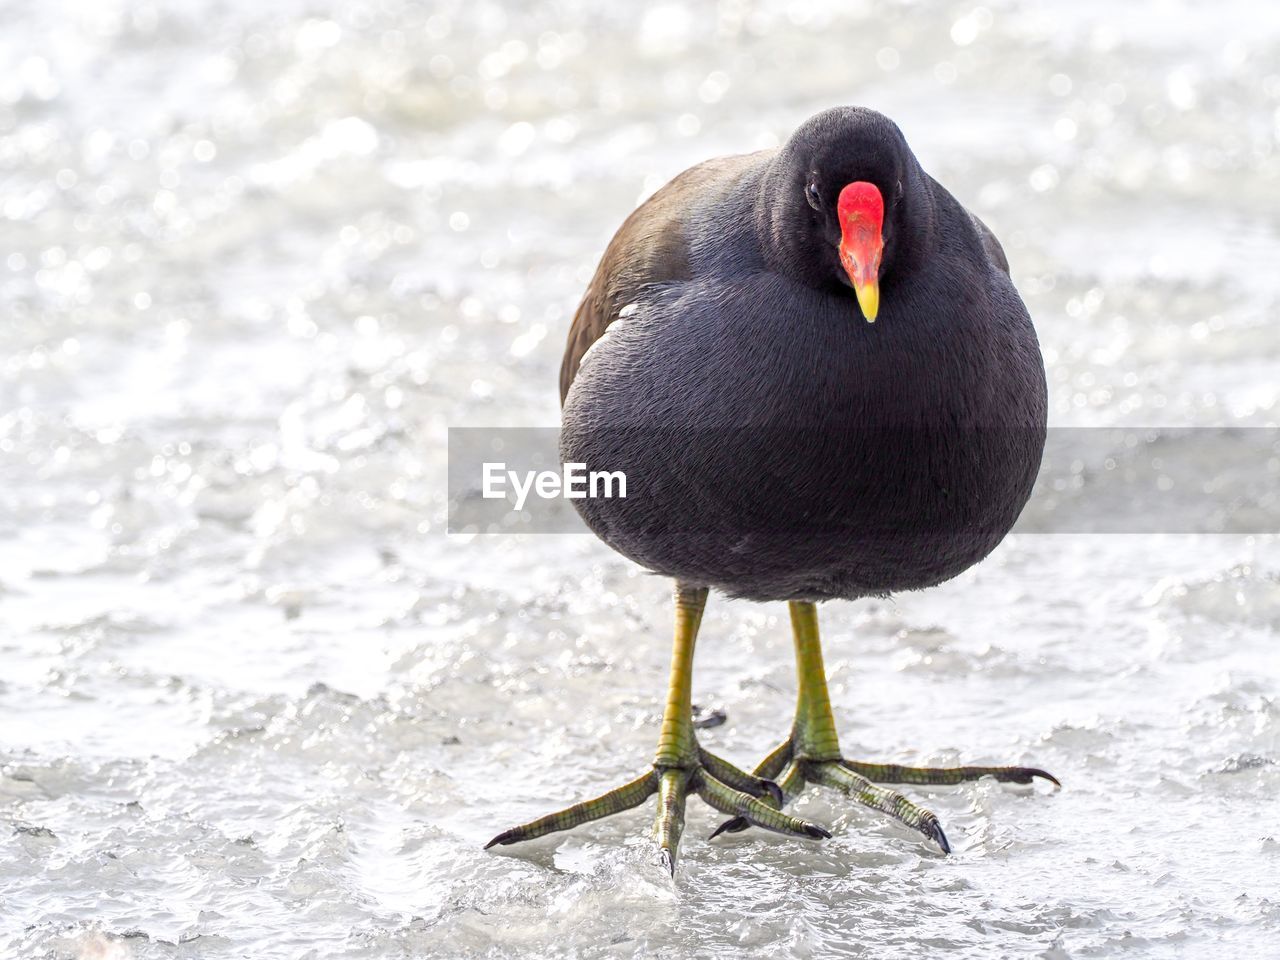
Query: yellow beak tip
[(869, 300)]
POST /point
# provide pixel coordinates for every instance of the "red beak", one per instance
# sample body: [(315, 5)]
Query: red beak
[(861, 212)]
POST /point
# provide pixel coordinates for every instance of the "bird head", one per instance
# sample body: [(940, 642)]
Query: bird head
[(848, 204)]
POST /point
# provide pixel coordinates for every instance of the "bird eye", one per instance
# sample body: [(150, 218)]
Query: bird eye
[(813, 195)]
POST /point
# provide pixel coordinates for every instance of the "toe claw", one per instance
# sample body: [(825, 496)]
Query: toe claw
[(1023, 775), (668, 861), (933, 830), (504, 838), (775, 792), (817, 832), (732, 825), (1033, 772)]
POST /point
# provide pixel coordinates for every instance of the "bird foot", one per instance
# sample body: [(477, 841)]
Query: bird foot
[(861, 782), (751, 800)]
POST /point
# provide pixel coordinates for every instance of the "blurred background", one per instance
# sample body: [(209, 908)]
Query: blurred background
[(254, 701)]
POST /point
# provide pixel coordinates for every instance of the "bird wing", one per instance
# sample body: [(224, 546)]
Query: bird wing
[(650, 248), (995, 252)]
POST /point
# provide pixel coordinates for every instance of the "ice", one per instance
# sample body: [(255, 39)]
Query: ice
[(255, 258)]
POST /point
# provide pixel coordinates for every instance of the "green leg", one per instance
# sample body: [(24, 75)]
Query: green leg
[(680, 767), (812, 753)]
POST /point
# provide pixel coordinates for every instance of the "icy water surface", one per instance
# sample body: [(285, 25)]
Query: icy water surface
[(255, 258)]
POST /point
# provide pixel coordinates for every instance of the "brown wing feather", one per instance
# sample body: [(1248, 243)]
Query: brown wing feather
[(995, 252), (649, 248)]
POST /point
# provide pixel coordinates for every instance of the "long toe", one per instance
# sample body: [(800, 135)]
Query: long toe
[(727, 773), (672, 793), (835, 774), (942, 776), (790, 782), (615, 801), (754, 812)]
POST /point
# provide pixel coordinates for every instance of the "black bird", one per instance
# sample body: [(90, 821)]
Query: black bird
[(820, 382)]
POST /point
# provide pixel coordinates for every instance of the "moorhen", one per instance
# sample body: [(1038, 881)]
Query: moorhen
[(820, 382)]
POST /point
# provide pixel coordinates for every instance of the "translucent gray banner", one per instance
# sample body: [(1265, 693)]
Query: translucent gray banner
[(1091, 480)]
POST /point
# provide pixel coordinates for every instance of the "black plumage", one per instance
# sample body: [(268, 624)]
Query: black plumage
[(776, 445)]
